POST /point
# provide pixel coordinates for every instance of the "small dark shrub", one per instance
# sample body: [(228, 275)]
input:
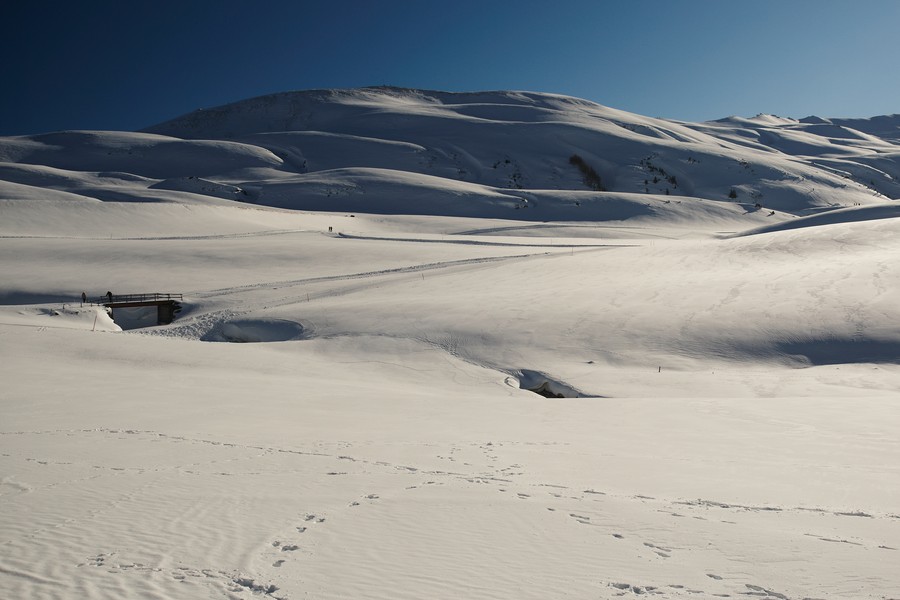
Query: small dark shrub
[(588, 174)]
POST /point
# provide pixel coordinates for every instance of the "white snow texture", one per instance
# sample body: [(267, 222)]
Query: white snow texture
[(501, 345)]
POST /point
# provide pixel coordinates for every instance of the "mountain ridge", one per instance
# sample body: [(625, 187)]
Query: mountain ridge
[(301, 146)]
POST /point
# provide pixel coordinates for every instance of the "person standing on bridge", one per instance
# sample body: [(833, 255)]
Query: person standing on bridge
[(83, 298), (109, 296)]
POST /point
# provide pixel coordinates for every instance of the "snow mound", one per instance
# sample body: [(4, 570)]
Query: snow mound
[(814, 120), (833, 217), (198, 185), (92, 318), (843, 350), (257, 331), (142, 154), (383, 191)]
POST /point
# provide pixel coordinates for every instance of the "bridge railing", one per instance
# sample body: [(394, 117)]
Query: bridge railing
[(149, 297)]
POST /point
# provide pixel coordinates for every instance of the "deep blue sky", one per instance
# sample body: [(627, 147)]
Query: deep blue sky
[(129, 64)]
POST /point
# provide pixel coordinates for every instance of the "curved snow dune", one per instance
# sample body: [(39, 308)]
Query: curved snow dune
[(387, 191), (54, 178), (305, 151), (39, 212), (17, 192), (885, 127), (834, 217), (141, 154), (383, 191), (42, 183), (793, 138)]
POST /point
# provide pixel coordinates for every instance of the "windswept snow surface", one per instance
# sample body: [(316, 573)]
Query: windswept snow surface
[(342, 407)]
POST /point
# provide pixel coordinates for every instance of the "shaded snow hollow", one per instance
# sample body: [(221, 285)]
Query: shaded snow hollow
[(543, 385), (256, 331)]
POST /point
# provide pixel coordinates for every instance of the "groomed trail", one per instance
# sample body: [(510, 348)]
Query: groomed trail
[(450, 240), (198, 324)]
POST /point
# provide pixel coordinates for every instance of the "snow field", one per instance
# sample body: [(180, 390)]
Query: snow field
[(342, 407), (391, 453)]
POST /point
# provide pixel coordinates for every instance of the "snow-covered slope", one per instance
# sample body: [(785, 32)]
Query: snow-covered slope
[(305, 149), (525, 140), (419, 357)]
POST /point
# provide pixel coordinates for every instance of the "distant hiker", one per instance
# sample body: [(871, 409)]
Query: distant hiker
[(83, 298), (109, 296)]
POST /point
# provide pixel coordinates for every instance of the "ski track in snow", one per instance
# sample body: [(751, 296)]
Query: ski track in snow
[(198, 326), (219, 236), (477, 242), (364, 275)]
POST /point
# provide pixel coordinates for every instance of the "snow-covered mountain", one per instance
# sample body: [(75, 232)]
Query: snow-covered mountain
[(496, 345), (513, 155), (515, 140)]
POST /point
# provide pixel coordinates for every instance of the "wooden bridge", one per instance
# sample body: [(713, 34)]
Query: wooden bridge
[(167, 305)]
